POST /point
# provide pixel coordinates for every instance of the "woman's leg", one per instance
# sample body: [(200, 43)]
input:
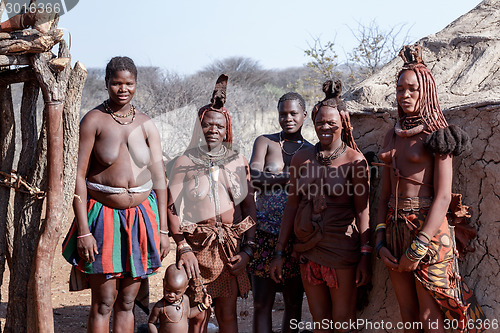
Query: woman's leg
[(123, 315), (318, 298), (293, 294), (104, 294), (430, 311), (263, 291), (404, 286), (225, 310), (344, 300), (199, 324)]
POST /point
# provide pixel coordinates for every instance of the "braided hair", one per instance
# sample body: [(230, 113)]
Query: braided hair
[(428, 104), (332, 99), (443, 138)]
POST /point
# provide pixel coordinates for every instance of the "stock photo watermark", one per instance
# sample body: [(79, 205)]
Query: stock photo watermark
[(358, 324), (15, 7)]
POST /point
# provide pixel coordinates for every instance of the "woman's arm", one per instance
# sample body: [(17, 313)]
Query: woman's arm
[(361, 185), (87, 247), (159, 184), (385, 194), (288, 219), (239, 261), (175, 190)]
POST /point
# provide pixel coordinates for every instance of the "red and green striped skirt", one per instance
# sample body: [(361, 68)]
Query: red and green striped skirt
[(127, 240)]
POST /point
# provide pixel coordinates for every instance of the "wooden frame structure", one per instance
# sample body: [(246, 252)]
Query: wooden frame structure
[(44, 177)]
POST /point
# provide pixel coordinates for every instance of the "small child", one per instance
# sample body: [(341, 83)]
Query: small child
[(173, 309)]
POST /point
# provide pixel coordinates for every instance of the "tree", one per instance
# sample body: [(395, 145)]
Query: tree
[(241, 71), (323, 60), (376, 46)]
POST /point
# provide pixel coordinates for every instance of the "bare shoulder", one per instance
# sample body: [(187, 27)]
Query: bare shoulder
[(93, 119), (303, 155), (355, 156)]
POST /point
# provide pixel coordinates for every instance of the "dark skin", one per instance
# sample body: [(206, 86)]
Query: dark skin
[(269, 165), (174, 303), (415, 162), (120, 156), (199, 207), (338, 304)]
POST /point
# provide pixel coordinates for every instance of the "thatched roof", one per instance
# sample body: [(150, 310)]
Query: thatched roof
[(464, 58)]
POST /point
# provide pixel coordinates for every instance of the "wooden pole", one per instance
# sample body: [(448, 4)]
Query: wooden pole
[(54, 85), (7, 147)]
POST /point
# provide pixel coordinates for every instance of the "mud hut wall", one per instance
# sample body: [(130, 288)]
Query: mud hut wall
[(475, 176)]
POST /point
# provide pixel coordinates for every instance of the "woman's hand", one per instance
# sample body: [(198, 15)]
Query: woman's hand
[(164, 246), (87, 248), (207, 300), (276, 269), (406, 265), (238, 263), (389, 260), (188, 259), (363, 271)]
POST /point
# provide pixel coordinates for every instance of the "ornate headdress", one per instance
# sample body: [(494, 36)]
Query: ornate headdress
[(332, 99), (217, 104), (411, 55)]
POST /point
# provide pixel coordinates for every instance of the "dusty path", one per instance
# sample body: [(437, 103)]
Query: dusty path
[(71, 308)]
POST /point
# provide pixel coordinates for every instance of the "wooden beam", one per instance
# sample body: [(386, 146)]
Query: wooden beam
[(9, 60), (33, 43), (17, 76)]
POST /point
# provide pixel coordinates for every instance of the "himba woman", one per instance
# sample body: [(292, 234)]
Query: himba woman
[(413, 236), (270, 162), (327, 210), (120, 234), (210, 185)]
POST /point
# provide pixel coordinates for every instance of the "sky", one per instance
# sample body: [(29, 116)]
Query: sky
[(185, 36)]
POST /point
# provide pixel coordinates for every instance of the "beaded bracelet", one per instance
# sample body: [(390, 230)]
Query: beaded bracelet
[(81, 236), (248, 251), (380, 226), (185, 250), (202, 307), (379, 246), (426, 236), (417, 250), (366, 249), (182, 245), (163, 232)]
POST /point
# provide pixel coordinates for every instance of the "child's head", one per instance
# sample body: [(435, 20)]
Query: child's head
[(175, 283)]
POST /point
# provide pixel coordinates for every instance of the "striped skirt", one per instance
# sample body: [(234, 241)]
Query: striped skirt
[(127, 240)]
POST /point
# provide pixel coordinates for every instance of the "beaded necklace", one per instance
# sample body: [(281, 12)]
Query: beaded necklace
[(115, 115), (409, 126), (328, 160), (282, 145), (178, 305)]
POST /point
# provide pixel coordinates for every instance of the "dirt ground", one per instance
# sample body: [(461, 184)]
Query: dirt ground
[(71, 308)]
